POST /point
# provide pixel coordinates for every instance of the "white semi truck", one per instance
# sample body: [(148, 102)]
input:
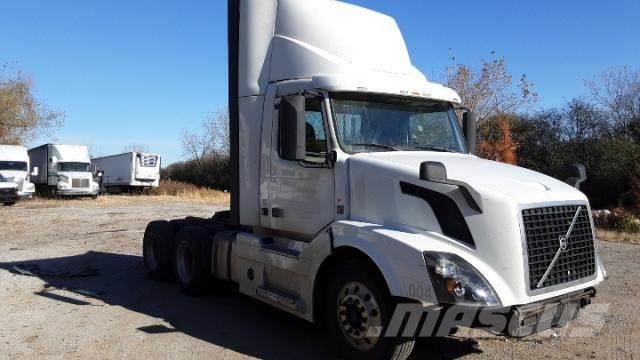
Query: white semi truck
[(63, 170), (8, 191), (354, 191), (14, 167), (131, 171)]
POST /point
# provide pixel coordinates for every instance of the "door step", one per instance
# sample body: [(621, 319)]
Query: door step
[(269, 246), (282, 298)]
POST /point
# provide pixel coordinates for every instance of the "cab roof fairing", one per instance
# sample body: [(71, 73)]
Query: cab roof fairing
[(343, 47)]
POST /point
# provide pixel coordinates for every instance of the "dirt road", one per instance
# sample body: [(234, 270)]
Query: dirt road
[(72, 285)]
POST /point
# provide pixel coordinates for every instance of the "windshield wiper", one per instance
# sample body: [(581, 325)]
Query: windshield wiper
[(434, 148), (381, 146)]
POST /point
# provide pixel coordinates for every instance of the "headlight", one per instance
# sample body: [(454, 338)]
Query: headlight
[(455, 281), (63, 178)]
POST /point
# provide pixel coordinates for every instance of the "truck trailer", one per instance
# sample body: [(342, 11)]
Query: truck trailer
[(14, 167), (355, 193), (132, 171), (64, 170)]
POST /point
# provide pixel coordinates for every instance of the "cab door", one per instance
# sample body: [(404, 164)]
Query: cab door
[(302, 192)]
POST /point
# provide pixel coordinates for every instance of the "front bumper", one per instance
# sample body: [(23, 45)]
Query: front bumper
[(531, 318), (77, 192), (8, 197), (26, 195), (512, 321)]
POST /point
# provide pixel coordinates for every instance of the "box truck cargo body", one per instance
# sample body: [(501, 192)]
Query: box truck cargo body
[(63, 170), (354, 190), (128, 171), (14, 167)]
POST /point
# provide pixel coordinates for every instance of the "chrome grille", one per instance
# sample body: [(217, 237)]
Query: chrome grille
[(543, 228), (80, 183)]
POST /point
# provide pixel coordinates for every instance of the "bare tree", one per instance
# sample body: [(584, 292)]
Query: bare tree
[(22, 117), (491, 90), (617, 92), (213, 139)]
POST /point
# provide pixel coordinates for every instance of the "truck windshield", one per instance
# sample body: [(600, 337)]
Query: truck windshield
[(73, 167), (13, 165), (366, 123)]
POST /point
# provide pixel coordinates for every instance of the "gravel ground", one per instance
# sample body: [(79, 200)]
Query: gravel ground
[(90, 299)]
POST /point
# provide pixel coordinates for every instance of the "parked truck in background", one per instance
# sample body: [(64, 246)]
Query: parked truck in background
[(354, 190), (14, 167), (132, 171), (8, 191), (63, 170)]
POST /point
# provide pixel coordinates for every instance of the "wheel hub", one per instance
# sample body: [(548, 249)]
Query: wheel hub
[(359, 315)]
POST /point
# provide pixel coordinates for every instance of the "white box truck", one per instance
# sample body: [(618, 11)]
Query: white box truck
[(132, 171), (355, 194), (14, 167), (63, 170)]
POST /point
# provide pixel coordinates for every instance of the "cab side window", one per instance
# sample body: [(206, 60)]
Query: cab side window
[(316, 139)]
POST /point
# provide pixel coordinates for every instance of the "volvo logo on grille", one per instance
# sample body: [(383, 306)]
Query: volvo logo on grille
[(564, 242)]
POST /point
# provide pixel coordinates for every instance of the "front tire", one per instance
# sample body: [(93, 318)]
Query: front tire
[(358, 309), (9, 203)]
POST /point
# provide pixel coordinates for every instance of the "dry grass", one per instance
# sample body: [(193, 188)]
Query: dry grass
[(190, 192), (169, 191), (618, 237)]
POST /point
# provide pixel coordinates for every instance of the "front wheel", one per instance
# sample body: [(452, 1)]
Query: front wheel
[(358, 310), (10, 203)]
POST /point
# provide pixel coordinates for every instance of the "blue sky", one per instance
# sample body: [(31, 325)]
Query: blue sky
[(143, 71)]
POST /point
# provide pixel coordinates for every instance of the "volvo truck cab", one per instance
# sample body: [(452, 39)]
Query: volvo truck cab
[(355, 190), (14, 167)]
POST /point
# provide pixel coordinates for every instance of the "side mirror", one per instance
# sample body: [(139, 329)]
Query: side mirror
[(577, 175), (433, 171), (469, 128), (34, 171), (292, 128)]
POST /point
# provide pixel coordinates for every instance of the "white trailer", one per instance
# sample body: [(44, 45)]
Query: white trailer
[(14, 167), (129, 171), (64, 170), (354, 192)]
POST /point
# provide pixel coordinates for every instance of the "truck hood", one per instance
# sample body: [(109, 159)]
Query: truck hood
[(8, 185), (16, 175), (522, 185)]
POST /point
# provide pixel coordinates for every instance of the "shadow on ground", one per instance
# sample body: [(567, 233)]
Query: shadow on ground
[(231, 321)]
